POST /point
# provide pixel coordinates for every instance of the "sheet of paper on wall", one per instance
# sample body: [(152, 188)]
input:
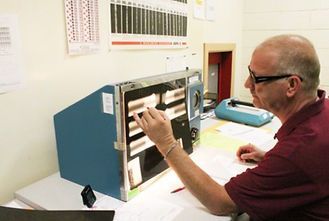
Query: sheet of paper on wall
[(199, 9), (82, 26), (176, 63), (11, 77), (210, 10)]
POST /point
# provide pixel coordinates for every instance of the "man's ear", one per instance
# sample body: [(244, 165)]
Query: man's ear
[(294, 85)]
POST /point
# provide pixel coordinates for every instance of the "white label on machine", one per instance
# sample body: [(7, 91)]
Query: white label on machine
[(193, 79), (107, 103), (134, 172)]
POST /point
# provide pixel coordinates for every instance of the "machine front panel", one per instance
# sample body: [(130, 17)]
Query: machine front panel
[(143, 159)]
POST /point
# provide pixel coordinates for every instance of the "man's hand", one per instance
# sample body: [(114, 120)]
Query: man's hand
[(250, 153), (157, 126)]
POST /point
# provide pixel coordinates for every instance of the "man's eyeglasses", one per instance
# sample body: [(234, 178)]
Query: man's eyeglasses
[(259, 79)]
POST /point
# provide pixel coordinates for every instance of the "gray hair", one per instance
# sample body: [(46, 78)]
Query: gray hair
[(296, 55)]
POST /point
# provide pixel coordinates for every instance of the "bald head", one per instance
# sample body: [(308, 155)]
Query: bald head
[(294, 55)]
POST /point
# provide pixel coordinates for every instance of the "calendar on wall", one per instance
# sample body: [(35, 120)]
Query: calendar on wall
[(140, 24), (82, 26)]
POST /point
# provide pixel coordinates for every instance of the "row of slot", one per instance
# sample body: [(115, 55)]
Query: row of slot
[(141, 104)]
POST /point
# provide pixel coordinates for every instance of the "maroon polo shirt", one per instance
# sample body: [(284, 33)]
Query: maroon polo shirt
[(292, 181)]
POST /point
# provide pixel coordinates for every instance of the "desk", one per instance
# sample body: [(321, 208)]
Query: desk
[(15, 203), (55, 192)]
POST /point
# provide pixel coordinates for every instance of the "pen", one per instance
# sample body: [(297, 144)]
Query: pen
[(178, 189)]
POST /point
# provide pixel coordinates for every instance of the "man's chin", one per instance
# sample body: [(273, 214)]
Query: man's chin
[(256, 102)]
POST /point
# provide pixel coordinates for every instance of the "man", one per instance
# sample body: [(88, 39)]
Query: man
[(291, 181)]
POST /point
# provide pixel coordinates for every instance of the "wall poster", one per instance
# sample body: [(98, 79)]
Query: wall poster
[(82, 26), (140, 24)]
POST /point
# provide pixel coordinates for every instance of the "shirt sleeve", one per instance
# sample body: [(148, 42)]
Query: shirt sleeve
[(272, 188)]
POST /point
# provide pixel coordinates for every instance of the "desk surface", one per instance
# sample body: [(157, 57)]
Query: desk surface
[(15, 203), (56, 193)]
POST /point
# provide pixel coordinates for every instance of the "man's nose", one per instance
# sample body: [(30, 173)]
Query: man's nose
[(248, 83)]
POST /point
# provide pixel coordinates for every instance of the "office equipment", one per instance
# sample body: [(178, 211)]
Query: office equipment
[(14, 214), (99, 143), (44, 194), (242, 112), (88, 196), (195, 104)]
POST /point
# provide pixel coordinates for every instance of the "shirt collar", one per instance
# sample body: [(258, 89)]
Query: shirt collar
[(301, 115)]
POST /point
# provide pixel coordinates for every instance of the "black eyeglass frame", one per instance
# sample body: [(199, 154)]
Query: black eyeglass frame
[(259, 79)]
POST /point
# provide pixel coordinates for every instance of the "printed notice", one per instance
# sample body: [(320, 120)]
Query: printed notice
[(10, 63)]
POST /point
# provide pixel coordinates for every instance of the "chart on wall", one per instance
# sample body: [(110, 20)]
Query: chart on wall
[(11, 70), (82, 26), (141, 24)]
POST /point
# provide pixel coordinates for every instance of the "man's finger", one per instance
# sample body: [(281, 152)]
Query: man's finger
[(147, 116), (163, 115), (144, 122), (155, 113), (138, 120)]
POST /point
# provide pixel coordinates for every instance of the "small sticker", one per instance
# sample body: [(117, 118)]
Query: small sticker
[(193, 79), (107, 103)]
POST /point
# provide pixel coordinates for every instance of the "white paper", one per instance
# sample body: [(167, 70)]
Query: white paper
[(134, 172), (256, 136), (222, 168), (106, 203), (234, 129), (10, 54), (147, 209), (175, 63), (199, 9), (210, 10), (192, 208)]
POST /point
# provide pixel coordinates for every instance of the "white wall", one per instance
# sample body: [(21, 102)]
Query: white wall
[(55, 80), (227, 29), (264, 18)]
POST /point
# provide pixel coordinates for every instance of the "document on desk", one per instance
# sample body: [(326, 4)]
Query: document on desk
[(192, 208), (212, 138), (249, 134), (146, 210), (174, 207), (222, 168), (106, 203)]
